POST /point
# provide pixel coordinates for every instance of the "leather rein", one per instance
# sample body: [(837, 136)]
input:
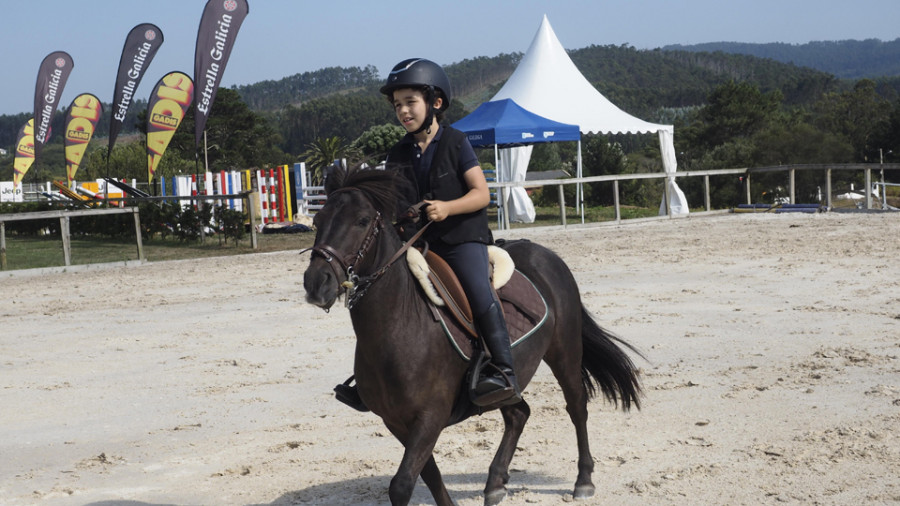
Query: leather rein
[(356, 285)]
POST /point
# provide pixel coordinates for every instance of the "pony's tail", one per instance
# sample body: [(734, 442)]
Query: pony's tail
[(606, 364)]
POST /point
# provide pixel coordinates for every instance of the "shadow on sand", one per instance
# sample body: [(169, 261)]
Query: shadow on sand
[(373, 490)]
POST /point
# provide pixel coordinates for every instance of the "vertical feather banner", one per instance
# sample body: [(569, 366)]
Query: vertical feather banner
[(141, 45), (24, 152), (51, 80), (215, 38), (81, 122), (171, 98)]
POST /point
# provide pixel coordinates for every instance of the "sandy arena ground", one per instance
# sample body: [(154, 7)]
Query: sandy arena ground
[(772, 378)]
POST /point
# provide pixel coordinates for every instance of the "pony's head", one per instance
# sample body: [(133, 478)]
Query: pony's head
[(360, 207)]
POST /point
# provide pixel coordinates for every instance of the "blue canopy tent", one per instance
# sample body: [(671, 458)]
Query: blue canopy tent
[(506, 124)]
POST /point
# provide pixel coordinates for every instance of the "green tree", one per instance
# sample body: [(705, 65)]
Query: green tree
[(736, 110), (601, 157), (798, 143), (237, 138), (887, 136), (346, 116), (322, 152), (127, 161), (857, 115), (375, 142)]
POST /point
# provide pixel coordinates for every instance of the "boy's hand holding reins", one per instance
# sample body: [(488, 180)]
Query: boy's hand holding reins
[(436, 210)]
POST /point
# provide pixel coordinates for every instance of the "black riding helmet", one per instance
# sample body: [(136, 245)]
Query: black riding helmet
[(418, 73), (421, 73)]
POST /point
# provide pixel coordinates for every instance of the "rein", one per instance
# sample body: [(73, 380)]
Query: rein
[(356, 285)]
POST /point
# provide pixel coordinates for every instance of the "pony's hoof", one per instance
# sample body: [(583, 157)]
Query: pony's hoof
[(584, 491), (493, 498)]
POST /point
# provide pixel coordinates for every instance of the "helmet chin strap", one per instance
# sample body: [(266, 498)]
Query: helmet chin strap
[(429, 118)]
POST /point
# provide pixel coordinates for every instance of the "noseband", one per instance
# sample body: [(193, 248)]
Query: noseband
[(345, 265)]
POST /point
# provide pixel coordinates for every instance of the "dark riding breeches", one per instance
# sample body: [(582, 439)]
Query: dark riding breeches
[(469, 262)]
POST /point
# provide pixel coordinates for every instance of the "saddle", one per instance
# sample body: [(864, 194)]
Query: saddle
[(524, 307)]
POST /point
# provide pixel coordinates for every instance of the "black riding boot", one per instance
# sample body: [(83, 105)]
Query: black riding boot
[(349, 395), (499, 383)]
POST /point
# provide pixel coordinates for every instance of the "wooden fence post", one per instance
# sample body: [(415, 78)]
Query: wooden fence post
[(616, 200), (747, 177), (137, 232), (251, 209), (562, 206), (3, 245), (868, 188), (706, 199), (793, 178), (668, 196), (66, 239)]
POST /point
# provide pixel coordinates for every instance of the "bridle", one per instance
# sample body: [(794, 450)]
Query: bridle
[(344, 265)]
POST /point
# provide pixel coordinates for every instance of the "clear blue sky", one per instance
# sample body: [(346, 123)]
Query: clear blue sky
[(284, 37)]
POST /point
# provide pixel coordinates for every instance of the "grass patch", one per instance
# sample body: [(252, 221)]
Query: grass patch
[(30, 252), (26, 252)]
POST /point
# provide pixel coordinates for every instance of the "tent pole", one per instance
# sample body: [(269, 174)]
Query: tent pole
[(500, 201), (579, 191)]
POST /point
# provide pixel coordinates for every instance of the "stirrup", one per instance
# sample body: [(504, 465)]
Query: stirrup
[(505, 393), (349, 395), (500, 397)]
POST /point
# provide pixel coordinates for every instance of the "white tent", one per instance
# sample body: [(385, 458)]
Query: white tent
[(548, 83)]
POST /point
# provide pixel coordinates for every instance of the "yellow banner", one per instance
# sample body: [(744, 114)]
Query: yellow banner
[(24, 152), (168, 104), (84, 113)]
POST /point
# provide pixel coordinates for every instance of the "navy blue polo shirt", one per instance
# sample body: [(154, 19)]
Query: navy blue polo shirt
[(422, 161)]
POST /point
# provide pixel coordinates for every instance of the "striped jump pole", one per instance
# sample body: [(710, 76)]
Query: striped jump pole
[(263, 196), (273, 197)]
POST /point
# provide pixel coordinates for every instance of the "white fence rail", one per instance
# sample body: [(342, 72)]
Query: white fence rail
[(316, 193)]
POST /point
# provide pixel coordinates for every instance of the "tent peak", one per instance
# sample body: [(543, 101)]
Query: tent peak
[(547, 83)]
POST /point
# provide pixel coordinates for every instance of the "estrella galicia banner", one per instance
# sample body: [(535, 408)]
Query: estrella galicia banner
[(140, 47), (218, 28), (24, 152), (51, 80), (81, 121), (169, 102)]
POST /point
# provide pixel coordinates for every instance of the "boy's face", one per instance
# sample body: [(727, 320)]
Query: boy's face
[(411, 108)]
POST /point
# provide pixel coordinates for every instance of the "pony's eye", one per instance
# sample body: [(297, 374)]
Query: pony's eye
[(364, 221)]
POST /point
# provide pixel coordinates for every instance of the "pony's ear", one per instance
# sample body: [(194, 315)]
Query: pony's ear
[(334, 176)]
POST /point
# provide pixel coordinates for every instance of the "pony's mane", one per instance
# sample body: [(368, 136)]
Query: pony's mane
[(379, 185)]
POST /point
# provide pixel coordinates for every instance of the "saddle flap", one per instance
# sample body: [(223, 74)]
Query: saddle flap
[(447, 284)]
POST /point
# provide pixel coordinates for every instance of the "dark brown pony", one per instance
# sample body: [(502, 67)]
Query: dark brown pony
[(407, 372)]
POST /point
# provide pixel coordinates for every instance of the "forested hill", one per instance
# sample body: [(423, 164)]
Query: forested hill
[(269, 95), (847, 59), (642, 82), (639, 81), (471, 78), (636, 80)]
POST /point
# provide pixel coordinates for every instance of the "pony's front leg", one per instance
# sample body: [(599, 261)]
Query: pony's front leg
[(431, 475), (418, 459), (514, 418)]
